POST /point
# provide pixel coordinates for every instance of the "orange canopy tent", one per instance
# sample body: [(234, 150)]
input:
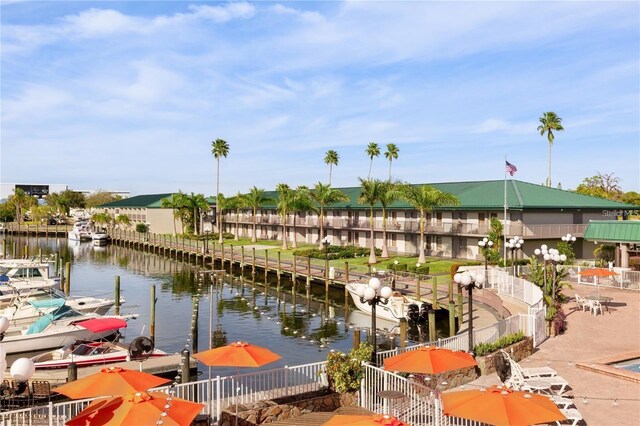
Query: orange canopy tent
[(429, 360), (500, 406), (109, 382), (140, 408), (363, 420), (237, 354)]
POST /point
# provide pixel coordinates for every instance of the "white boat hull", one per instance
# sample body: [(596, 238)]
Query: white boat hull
[(396, 309), (26, 314), (52, 338)]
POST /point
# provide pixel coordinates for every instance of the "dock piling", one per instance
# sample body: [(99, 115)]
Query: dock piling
[(67, 280), (117, 294), (152, 319)]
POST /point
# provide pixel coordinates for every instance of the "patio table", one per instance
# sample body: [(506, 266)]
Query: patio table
[(604, 300)]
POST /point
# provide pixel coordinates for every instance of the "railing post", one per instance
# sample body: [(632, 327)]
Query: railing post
[(50, 413), (286, 380), (218, 398)]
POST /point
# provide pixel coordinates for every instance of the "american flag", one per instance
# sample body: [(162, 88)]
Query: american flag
[(510, 168)]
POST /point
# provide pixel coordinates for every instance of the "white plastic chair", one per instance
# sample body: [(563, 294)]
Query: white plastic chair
[(595, 306), (582, 302)]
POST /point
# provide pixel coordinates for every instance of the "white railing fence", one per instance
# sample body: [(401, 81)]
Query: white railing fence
[(623, 279), (216, 393), (419, 406), (514, 287)]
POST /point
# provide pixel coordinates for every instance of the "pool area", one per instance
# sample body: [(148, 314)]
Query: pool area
[(624, 366), (631, 365)]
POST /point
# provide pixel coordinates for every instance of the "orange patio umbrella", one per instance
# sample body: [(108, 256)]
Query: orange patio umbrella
[(140, 408), (429, 360), (237, 354), (364, 420), (109, 382), (500, 406), (597, 272)]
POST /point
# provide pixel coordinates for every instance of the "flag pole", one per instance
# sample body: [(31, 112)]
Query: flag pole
[(504, 231)]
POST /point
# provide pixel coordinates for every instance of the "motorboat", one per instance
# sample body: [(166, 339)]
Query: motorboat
[(81, 231), (28, 269), (15, 297), (398, 307), (83, 353), (26, 310), (100, 238), (60, 328)]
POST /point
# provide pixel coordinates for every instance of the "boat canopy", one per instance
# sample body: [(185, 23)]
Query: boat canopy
[(98, 325), (43, 322), (47, 303)]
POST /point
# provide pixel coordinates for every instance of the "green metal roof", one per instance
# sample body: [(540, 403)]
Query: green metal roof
[(620, 231), (138, 201), (489, 195)]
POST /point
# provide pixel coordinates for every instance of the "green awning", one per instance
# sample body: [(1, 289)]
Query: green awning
[(615, 231), (47, 303)]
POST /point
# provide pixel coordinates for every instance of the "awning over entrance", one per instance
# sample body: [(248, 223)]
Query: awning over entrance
[(614, 231)]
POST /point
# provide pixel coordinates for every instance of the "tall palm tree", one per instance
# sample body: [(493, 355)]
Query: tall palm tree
[(182, 208), (390, 192), (550, 123), (285, 198), (301, 202), (373, 150), (170, 203), (391, 154), (238, 203), (324, 195), (21, 201), (255, 200), (331, 158), (370, 194), (425, 198), (196, 203), (123, 219), (219, 148)]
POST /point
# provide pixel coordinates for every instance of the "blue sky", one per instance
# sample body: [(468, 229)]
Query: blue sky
[(129, 95)]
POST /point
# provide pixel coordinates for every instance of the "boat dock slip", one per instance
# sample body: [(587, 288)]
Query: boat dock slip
[(164, 365)]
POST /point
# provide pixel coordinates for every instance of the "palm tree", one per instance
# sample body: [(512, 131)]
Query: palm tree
[(550, 123), (123, 219), (301, 202), (21, 201), (255, 200), (425, 198), (219, 148), (373, 150), (285, 198), (170, 203), (181, 208), (324, 195), (101, 219), (389, 193), (238, 203), (331, 158), (222, 203), (196, 204), (370, 194), (391, 154)]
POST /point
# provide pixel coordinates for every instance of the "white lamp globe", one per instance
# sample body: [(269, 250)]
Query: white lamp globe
[(466, 279), (481, 243), (563, 257), (521, 241), (395, 262), (547, 256), (518, 245), (485, 239), (573, 239), (369, 293), (360, 291), (374, 283), (537, 252), (386, 292), (22, 369), (4, 324), (556, 257), (543, 247), (457, 278), (480, 279), (490, 243)]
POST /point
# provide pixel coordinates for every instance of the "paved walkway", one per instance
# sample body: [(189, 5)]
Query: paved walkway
[(320, 418), (588, 338)]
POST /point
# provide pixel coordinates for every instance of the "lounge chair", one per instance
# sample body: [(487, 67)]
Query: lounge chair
[(519, 382), (572, 415), (561, 401), (531, 372)]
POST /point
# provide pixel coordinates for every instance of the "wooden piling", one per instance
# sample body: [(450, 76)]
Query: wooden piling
[(67, 276), (403, 333), (266, 263), (117, 294), (185, 364), (194, 324), (15, 250), (418, 287), (72, 372), (434, 290), (253, 261), (241, 259), (294, 275), (278, 270), (308, 272), (452, 318), (152, 319), (40, 255), (432, 325), (4, 249), (231, 261), (346, 292), (356, 338), (459, 304), (26, 250)]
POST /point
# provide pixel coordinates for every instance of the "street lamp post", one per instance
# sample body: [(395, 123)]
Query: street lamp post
[(469, 281), (393, 278), (553, 257), (374, 294), (514, 244), (485, 245), (4, 326)]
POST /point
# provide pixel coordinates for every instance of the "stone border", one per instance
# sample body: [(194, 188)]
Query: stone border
[(602, 366)]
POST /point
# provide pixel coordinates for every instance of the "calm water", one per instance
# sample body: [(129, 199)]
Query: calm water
[(288, 323)]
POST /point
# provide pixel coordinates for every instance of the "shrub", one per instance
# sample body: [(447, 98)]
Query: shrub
[(336, 252), (400, 267), (423, 269), (559, 320), (605, 254), (486, 348), (345, 371), (141, 227)]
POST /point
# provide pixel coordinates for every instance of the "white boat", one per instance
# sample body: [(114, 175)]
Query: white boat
[(398, 307), (59, 329), (25, 310), (100, 238), (81, 231), (27, 269), (87, 353)]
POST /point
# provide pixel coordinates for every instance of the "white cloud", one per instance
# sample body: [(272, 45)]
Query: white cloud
[(100, 22), (496, 125)]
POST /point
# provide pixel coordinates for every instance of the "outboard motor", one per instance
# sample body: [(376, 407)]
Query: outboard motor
[(424, 311), (413, 313)]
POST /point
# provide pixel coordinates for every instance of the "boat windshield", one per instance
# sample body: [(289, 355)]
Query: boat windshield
[(83, 350)]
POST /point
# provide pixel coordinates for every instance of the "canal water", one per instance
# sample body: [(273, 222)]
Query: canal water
[(301, 330)]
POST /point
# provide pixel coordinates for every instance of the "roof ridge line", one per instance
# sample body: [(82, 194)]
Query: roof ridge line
[(517, 191)]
